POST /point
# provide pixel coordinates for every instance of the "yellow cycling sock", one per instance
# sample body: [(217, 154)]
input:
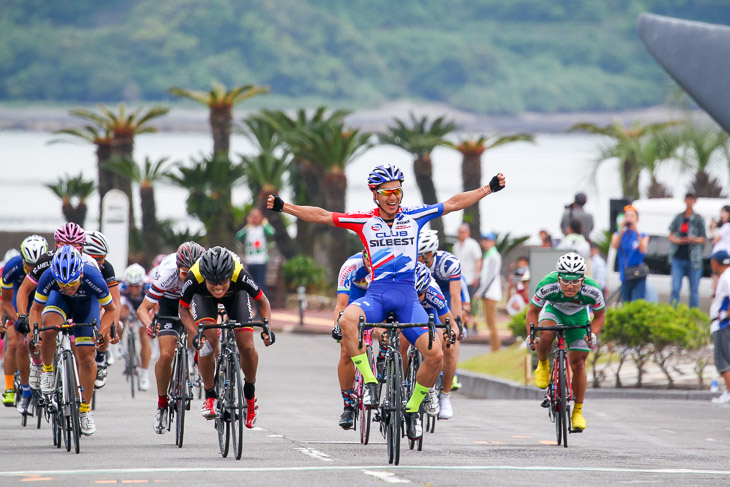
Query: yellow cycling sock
[(84, 407), (9, 381), (578, 408), (544, 363), (47, 368), (362, 364), (419, 392)]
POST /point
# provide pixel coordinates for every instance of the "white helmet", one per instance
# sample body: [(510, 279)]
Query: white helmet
[(134, 275), (32, 248), (9, 255), (96, 244), (571, 263), (428, 241)]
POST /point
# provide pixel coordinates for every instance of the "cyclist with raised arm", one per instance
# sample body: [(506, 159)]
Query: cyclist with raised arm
[(67, 234), (97, 247), (563, 298), (132, 291), (18, 356), (219, 278), (165, 291), (74, 290), (389, 233)]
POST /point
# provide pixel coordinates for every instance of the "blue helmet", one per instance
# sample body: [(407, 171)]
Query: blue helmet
[(383, 174), (423, 277), (67, 264)]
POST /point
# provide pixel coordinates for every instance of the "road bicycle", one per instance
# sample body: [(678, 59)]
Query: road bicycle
[(63, 403), (559, 393), (180, 391), (131, 361), (392, 407), (230, 406)]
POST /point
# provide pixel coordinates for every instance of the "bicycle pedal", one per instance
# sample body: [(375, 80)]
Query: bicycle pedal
[(376, 417), (576, 430), (545, 403)]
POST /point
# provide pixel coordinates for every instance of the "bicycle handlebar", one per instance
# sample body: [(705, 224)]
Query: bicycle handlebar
[(234, 325), (561, 329), (64, 327), (399, 326), (156, 321)]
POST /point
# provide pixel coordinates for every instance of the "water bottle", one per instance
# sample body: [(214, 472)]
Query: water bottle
[(713, 386)]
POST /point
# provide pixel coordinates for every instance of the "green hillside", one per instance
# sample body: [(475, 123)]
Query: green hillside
[(486, 56)]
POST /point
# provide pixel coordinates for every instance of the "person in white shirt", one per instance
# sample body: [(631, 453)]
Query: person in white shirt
[(575, 240), (490, 286), (720, 327), (469, 253), (598, 265)]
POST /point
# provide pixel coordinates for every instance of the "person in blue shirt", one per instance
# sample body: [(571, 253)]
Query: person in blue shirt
[(630, 245), (74, 290), (17, 355)]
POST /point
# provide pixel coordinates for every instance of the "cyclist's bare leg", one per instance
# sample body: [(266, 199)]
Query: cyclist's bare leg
[(577, 360), (87, 370), (163, 367), (349, 326), (451, 359), (249, 355), (430, 368), (48, 337), (22, 357), (206, 364), (546, 340), (345, 370), (145, 349), (11, 352)]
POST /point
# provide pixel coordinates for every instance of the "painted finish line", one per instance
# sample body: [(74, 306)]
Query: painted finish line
[(665, 471)]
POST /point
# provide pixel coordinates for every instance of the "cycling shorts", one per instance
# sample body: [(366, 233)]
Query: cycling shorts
[(237, 305), (80, 311), (575, 339), (168, 307), (401, 299)]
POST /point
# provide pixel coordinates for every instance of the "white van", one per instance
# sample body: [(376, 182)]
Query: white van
[(655, 216)]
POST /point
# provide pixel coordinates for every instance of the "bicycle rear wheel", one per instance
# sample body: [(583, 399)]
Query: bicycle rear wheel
[(222, 424), (56, 427), (73, 406), (395, 403), (364, 413), (132, 360), (235, 405)]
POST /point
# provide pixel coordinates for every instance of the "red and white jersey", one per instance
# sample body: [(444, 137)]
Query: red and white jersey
[(393, 249), (165, 280)]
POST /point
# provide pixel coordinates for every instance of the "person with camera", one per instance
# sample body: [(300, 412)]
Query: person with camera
[(630, 245)]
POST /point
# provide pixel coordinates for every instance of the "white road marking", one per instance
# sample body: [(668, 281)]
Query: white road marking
[(275, 436), (311, 452), (388, 477)]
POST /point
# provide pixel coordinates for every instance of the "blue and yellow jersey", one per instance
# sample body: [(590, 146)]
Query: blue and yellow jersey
[(93, 284), (13, 273)]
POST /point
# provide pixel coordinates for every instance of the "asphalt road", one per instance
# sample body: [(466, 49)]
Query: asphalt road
[(297, 440)]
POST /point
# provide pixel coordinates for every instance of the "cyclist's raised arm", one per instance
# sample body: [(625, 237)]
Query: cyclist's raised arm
[(469, 198), (312, 214)]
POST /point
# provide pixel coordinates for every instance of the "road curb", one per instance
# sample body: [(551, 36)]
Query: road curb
[(480, 386)]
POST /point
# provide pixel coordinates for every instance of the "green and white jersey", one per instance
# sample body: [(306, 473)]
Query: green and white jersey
[(548, 291)]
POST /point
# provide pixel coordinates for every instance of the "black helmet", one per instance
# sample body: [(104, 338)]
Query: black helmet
[(217, 264)]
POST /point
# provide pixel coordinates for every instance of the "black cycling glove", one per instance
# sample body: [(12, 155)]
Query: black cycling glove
[(22, 325), (494, 185), (278, 204)]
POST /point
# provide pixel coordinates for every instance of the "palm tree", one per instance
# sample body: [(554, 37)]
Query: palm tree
[(210, 181), (700, 149), (152, 173), (653, 151), (420, 138), (120, 129), (265, 173), (471, 168), (73, 191), (625, 145), (333, 148), (220, 101)]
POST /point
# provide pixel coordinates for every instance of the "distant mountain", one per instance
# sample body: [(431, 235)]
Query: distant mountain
[(483, 56)]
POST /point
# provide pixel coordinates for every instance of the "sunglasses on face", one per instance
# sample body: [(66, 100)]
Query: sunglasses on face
[(570, 282), (389, 192), (70, 284), (219, 283)]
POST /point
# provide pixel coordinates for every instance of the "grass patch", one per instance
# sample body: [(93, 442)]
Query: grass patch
[(508, 363)]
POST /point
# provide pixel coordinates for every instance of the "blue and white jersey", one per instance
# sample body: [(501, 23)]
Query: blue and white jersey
[(445, 268), (721, 303), (354, 277), (465, 297), (434, 301), (393, 249), (93, 284)]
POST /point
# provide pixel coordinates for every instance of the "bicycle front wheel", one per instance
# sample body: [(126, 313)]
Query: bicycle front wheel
[(235, 398), (222, 424), (73, 402), (561, 423), (181, 397), (132, 361), (395, 402)]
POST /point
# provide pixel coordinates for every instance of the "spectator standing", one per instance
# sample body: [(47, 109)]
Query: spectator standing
[(256, 255), (517, 288), (575, 211), (631, 245), (720, 327), (721, 231), (467, 250), (598, 265), (687, 238), (546, 239), (575, 240), (490, 286)]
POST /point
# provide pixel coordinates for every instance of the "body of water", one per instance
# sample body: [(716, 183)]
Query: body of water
[(541, 179)]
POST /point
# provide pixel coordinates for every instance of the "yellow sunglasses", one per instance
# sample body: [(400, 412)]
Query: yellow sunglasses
[(70, 284), (389, 192)]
